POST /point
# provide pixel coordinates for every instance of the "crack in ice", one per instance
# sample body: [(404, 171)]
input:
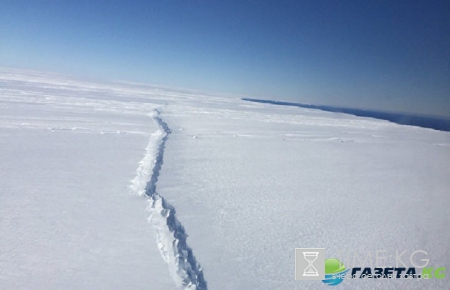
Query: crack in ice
[(170, 233)]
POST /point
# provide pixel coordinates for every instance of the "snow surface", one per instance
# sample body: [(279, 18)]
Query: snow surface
[(229, 188)]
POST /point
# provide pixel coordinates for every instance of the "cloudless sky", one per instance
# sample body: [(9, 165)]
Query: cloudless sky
[(391, 55)]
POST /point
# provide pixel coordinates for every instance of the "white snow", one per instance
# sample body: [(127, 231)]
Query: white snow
[(170, 234), (84, 164), (68, 218)]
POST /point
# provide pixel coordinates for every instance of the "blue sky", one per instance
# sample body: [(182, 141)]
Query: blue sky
[(391, 55)]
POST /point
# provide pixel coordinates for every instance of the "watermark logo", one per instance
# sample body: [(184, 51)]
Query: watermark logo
[(334, 272), (309, 264)]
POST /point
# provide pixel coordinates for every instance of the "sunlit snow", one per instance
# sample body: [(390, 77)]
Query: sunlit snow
[(113, 185)]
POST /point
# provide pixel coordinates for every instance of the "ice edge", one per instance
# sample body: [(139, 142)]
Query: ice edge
[(170, 233)]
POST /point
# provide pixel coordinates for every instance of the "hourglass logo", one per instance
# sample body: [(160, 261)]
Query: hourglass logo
[(309, 264)]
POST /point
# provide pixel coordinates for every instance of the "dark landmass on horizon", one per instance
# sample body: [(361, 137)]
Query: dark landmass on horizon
[(430, 122)]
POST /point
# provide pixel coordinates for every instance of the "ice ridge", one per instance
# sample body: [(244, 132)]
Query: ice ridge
[(170, 234)]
